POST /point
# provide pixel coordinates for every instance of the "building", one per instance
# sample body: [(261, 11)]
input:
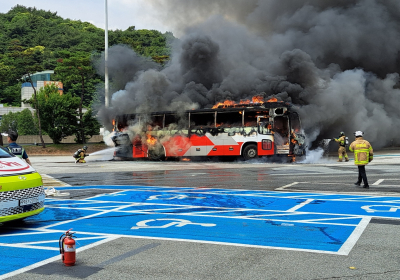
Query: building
[(40, 80)]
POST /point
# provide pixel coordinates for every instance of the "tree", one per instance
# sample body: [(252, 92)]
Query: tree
[(91, 127), (26, 123), (21, 122), (9, 122), (25, 28), (77, 69), (11, 95), (30, 61), (58, 112)]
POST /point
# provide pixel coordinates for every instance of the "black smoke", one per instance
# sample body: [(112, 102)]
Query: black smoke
[(336, 60)]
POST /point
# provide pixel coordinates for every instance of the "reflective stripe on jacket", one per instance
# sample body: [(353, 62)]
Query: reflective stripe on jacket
[(17, 151), (363, 152), (341, 140)]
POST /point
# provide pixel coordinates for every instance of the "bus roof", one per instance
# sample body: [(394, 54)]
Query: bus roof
[(235, 108)]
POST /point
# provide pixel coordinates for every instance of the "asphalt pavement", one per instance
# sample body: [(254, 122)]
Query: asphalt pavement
[(213, 220)]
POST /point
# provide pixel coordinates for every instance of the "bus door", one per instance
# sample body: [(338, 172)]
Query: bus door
[(265, 141), (281, 134)]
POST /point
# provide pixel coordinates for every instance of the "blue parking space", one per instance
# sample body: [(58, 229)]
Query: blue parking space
[(308, 222)]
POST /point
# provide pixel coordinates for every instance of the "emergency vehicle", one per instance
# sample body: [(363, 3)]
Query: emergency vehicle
[(248, 129), (21, 188)]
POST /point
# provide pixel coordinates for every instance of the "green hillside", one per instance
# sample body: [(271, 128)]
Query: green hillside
[(48, 40)]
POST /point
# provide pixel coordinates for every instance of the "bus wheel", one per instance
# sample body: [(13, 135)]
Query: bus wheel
[(156, 154), (250, 152)]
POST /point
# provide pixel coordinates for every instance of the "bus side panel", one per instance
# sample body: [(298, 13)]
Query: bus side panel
[(224, 145), (216, 150), (139, 150), (177, 146), (200, 145), (265, 148), (232, 150)]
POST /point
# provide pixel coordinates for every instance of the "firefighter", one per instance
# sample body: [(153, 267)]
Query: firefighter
[(342, 147), (80, 155), (363, 154)]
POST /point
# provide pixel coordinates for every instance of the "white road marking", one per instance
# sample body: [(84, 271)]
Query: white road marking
[(286, 186), (392, 208), (255, 217), (85, 217), (174, 222), (300, 205), (39, 264), (345, 249), (56, 240), (378, 182), (23, 234), (329, 219), (25, 246), (229, 244), (353, 238)]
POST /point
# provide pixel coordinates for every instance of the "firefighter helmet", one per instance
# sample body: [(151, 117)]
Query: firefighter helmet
[(341, 133), (85, 148), (358, 133)]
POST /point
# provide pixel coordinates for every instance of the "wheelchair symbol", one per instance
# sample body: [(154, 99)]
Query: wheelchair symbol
[(371, 210), (173, 223), (169, 197)]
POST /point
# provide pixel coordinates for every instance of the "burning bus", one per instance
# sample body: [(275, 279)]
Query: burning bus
[(249, 129)]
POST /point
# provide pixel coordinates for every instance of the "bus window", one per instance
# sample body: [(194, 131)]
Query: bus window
[(281, 125), (295, 121), (264, 127), (250, 118), (229, 119), (281, 129), (202, 119), (157, 121), (170, 119)]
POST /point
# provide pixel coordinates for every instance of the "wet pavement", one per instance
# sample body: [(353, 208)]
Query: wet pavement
[(216, 220)]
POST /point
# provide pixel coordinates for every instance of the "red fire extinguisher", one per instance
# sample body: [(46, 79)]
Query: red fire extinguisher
[(67, 248)]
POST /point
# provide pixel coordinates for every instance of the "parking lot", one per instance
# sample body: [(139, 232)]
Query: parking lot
[(208, 220)]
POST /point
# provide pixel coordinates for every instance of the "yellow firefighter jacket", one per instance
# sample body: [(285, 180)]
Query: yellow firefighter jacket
[(363, 152), (341, 140)]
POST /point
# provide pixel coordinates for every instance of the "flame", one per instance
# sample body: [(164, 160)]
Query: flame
[(151, 140), (113, 124), (224, 104), (293, 137), (258, 99), (186, 159)]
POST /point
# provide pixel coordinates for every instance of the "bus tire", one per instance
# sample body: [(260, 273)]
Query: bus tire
[(250, 152), (156, 154)]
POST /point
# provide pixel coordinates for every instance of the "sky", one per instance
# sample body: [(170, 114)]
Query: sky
[(121, 13)]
